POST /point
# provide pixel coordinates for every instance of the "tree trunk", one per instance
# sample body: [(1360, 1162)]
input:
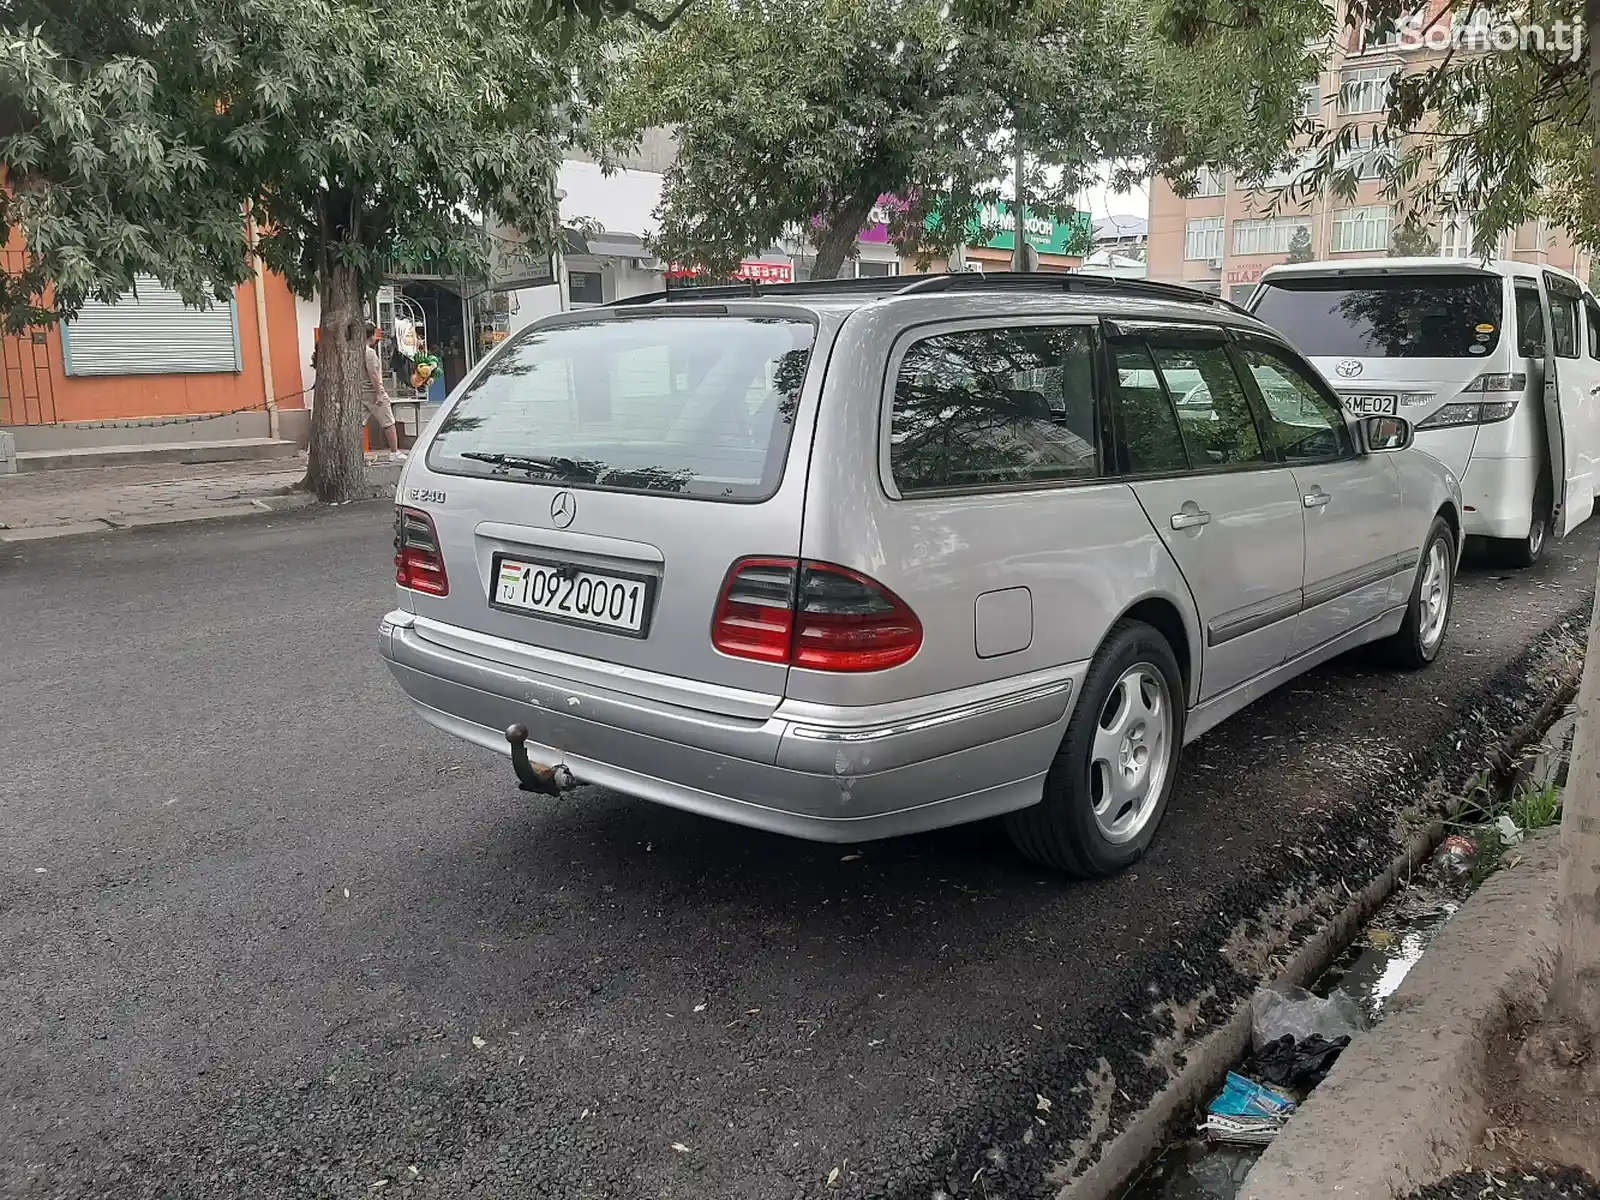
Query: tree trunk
[(337, 471), (1575, 992), (839, 238)]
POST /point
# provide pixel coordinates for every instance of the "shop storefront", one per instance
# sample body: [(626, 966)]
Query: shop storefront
[(1061, 245)]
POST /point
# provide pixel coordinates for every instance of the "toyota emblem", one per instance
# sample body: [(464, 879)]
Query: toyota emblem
[(1348, 369), (563, 507)]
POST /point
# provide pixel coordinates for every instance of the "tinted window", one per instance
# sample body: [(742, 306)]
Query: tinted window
[(1147, 425), (701, 406), (1564, 325), (1396, 316), (1213, 414), (1592, 314), (1530, 322), (1307, 425), (586, 287), (992, 407)]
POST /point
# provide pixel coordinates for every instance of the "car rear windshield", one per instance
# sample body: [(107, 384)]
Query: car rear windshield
[(698, 406), (1387, 316)]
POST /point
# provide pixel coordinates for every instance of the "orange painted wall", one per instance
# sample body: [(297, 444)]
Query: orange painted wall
[(128, 397)]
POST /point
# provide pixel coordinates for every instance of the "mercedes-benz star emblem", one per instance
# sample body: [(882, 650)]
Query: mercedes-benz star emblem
[(563, 507), (1348, 369)]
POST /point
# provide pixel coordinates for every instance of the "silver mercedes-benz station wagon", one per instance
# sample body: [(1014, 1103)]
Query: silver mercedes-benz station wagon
[(856, 559)]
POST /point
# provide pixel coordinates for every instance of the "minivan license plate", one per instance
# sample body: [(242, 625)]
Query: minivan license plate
[(563, 592), (1372, 406)]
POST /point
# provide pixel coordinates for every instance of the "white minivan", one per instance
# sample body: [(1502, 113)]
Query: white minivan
[(1459, 349)]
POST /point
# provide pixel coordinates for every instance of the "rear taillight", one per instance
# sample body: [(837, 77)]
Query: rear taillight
[(418, 565), (1509, 387), (755, 613), (813, 615)]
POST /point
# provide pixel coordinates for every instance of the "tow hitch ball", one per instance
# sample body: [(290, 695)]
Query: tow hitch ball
[(532, 776)]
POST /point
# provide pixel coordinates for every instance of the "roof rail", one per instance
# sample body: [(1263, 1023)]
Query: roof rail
[(960, 281)]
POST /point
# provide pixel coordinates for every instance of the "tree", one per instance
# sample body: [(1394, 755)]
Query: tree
[(375, 135), (1411, 240), (1505, 136), (799, 114), (103, 146), (135, 136), (1300, 245)]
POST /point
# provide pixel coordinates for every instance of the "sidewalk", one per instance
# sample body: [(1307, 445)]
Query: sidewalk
[(51, 504)]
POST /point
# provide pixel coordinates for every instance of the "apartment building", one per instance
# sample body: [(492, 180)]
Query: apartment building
[(1223, 237)]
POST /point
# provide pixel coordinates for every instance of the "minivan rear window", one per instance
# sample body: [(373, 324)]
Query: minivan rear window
[(698, 406), (1387, 316)]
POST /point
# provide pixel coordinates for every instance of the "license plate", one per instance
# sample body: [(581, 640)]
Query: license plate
[(563, 592), (1372, 406)]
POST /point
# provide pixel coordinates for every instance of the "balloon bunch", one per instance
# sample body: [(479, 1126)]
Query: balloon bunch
[(426, 369)]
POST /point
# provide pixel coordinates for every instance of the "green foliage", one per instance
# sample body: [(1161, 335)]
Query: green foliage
[(1300, 250), (104, 146), (789, 110), (1411, 240), (133, 134), (1504, 134)]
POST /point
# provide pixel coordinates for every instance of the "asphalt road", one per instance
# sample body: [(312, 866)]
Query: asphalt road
[(263, 933)]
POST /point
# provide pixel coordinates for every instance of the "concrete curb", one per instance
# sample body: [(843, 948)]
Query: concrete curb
[(1208, 1061), (381, 483), (1404, 1104)]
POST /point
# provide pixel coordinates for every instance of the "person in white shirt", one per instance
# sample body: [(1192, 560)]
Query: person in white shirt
[(376, 396)]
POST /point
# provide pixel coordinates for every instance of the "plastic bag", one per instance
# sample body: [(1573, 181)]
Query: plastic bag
[(1298, 1014)]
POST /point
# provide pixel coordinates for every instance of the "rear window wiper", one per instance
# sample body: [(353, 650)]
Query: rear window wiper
[(561, 468)]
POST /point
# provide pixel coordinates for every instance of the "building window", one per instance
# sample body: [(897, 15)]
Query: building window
[(1208, 183), (1455, 236), (1310, 101), (867, 269), (1202, 238), (1370, 162), (1271, 236), (151, 331), (586, 287), (1292, 172), (1361, 228), (1365, 90)]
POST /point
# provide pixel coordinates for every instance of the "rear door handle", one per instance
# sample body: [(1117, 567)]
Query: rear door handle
[(1316, 498), (1190, 519)]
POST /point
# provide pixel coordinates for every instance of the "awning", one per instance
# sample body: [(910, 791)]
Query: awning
[(608, 245)]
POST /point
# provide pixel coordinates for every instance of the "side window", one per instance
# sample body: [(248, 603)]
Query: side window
[(1146, 423), (1213, 414), (1308, 426), (1591, 312), (1530, 321), (1564, 325), (995, 407)]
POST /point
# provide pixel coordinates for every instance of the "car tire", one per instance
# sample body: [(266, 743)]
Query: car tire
[(1525, 551), (1429, 606), (1108, 787)]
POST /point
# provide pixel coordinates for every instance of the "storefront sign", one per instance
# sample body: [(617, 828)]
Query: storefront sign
[(747, 272), (1248, 273), (876, 230), (1063, 238)]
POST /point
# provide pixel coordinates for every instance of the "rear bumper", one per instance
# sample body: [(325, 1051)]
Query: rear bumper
[(826, 774), (1497, 494)]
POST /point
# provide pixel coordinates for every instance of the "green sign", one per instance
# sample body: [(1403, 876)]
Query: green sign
[(1047, 236)]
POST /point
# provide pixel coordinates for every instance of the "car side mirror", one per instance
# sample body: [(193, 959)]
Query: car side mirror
[(1386, 433)]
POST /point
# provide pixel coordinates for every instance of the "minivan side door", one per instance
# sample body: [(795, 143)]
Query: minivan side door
[(1568, 403), (1227, 510), (1350, 502)]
